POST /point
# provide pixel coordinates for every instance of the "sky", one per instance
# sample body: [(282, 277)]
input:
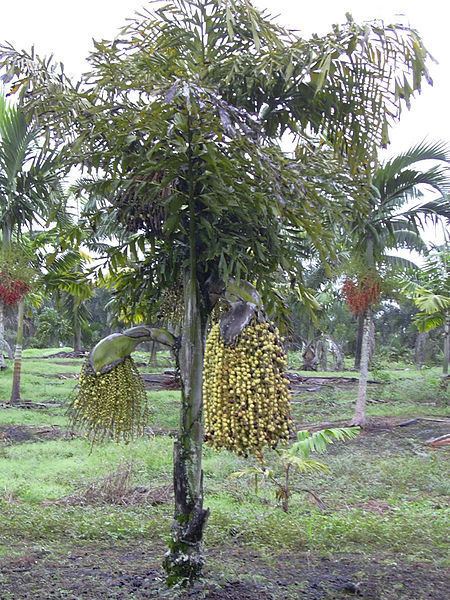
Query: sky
[(66, 29)]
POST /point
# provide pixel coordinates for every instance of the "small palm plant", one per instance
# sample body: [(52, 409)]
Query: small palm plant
[(298, 458), (429, 289)]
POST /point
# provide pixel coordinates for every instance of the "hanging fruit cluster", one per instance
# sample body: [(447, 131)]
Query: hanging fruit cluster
[(361, 295), (112, 404), (245, 391), (171, 305), (12, 290)]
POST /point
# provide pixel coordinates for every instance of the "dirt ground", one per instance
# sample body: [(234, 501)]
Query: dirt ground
[(235, 572), (16, 434), (134, 572)]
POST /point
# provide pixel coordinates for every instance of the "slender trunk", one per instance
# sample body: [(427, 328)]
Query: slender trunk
[(153, 362), (77, 345), (338, 357), (446, 359), (360, 408), (372, 341), (419, 351), (2, 337), (6, 241), (323, 355), (286, 490), (15, 392), (184, 561), (359, 337)]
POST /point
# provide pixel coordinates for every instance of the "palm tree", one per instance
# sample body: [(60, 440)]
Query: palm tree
[(392, 223), (66, 277), (429, 289), (30, 191), (179, 127)]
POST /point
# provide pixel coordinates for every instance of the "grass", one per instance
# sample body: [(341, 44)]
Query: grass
[(388, 469)]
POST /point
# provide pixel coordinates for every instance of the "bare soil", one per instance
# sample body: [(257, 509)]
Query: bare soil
[(234, 572), (134, 572), (16, 434)]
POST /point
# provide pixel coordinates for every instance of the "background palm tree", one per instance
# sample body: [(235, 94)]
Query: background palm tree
[(30, 191), (429, 289), (392, 223)]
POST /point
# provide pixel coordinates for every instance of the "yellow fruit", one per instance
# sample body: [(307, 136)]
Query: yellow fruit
[(246, 396)]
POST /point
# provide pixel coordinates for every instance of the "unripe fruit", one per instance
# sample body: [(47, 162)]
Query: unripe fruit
[(246, 396), (112, 404)]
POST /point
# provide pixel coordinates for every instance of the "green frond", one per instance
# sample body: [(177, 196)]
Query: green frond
[(398, 262), (318, 441)]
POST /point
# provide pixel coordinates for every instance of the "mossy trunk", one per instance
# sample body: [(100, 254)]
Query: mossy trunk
[(15, 392), (184, 561), (359, 418), (2, 337)]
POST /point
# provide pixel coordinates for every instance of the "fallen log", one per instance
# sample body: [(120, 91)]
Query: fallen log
[(442, 440)]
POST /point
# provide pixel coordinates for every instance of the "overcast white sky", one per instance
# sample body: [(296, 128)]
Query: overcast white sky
[(66, 28)]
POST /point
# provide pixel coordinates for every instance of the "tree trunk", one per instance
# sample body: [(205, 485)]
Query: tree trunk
[(153, 356), (6, 241), (338, 357), (15, 392), (184, 561), (372, 341), (446, 359), (2, 337), (322, 348), (310, 360), (359, 337), (77, 344), (285, 492), (420, 347), (359, 418)]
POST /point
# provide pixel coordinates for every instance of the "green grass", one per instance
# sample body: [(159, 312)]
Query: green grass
[(392, 468)]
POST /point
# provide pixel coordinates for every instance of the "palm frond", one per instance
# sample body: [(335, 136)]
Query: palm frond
[(399, 262)]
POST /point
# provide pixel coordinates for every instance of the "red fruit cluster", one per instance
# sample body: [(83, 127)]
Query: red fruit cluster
[(362, 295), (12, 290)]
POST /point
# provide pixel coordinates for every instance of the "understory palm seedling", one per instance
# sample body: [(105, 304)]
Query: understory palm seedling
[(298, 458)]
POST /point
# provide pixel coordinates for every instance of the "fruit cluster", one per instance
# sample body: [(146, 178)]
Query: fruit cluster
[(110, 405), (245, 391), (171, 305), (12, 290), (361, 295)]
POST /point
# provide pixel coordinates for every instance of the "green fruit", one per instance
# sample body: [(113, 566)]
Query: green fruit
[(246, 396), (112, 404)]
